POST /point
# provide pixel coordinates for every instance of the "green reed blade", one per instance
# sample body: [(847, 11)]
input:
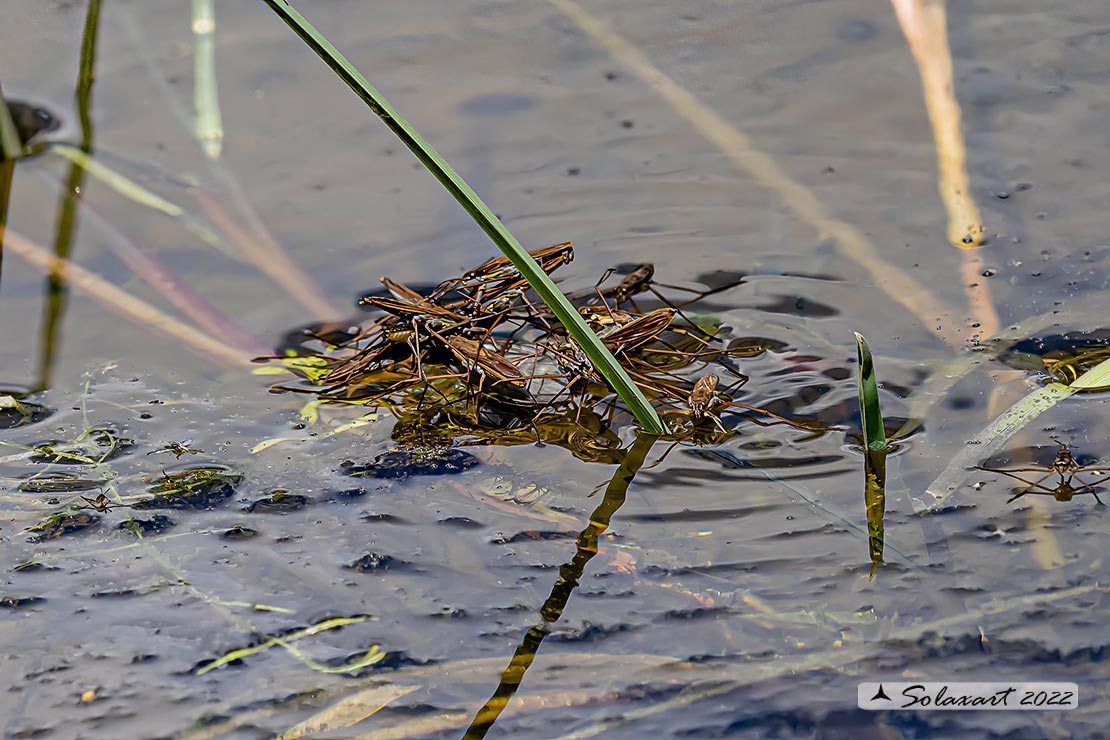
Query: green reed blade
[(874, 435), (602, 359), (874, 457)]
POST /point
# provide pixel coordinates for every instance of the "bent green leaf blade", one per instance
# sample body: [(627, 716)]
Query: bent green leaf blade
[(871, 414), (599, 355)]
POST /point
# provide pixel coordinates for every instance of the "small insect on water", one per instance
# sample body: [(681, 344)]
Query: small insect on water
[(1065, 467), (101, 504), (701, 396), (177, 448)]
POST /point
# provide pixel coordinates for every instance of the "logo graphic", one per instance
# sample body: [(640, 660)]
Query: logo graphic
[(880, 694)]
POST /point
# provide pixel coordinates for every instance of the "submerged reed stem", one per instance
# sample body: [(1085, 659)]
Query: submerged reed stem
[(208, 126)]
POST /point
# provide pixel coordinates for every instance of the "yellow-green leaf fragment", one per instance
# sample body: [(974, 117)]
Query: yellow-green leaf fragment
[(1097, 378), (348, 711)]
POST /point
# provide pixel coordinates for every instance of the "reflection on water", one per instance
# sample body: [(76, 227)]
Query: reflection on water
[(170, 529)]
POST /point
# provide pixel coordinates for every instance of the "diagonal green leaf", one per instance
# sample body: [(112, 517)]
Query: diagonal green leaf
[(602, 359)]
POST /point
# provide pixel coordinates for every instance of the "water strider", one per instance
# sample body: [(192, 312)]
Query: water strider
[(1065, 467), (177, 449)]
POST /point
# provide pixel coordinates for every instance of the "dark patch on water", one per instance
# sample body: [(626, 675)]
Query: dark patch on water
[(731, 461), (754, 346), (62, 525), (279, 503), (347, 494), (534, 536), (495, 104), (373, 562), (33, 566), (16, 603), (199, 488), (298, 340), (157, 524), (690, 515), (94, 446), (31, 121), (799, 306), (239, 534), (450, 613), (589, 632), (394, 660), (59, 483), (380, 517), (15, 411), (121, 593), (857, 30), (403, 463), (700, 612), (460, 522)]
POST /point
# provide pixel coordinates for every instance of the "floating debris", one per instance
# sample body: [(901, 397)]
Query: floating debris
[(1064, 357), (92, 447), (157, 524), (15, 411), (373, 562), (200, 487), (239, 534), (19, 602), (32, 123), (279, 502), (404, 462), (62, 524), (59, 483)]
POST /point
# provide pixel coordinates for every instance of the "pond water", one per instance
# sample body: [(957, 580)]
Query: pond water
[(731, 593)]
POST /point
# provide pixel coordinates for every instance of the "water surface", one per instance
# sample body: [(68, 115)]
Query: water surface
[(721, 602)]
